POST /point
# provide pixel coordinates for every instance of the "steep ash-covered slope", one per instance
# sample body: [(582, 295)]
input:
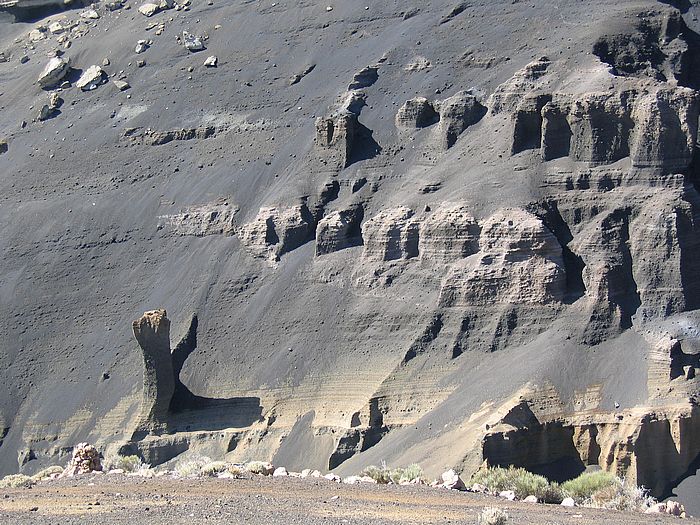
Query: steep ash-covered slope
[(438, 232)]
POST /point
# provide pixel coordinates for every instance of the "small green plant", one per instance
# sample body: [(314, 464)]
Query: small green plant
[(191, 466), (47, 472), (15, 481), (493, 516), (213, 468), (409, 473), (583, 487), (381, 475), (520, 481), (129, 464)]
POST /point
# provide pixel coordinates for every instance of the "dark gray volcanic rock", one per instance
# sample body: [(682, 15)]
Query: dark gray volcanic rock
[(519, 254)]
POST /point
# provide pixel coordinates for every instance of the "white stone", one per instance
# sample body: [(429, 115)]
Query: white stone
[(211, 61), (149, 9), (90, 14), (507, 494), (55, 70), (451, 480), (56, 28), (568, 502), (91, 78), (280, 472), (192, 42), (531, 499)]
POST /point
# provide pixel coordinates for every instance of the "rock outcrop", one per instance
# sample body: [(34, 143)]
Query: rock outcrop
[(457, 113), (339, 230), (391, 235), (276, 231), (519, 262), (208, 219), (152, 332), (416, 113), (448, 234)]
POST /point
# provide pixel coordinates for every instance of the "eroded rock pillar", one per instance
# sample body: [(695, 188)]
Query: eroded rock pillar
[(152, 331)]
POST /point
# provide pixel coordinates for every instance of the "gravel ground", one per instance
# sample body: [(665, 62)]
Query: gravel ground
[(117, 499)]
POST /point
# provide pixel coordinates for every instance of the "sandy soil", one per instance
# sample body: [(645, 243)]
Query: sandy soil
[(118, 499)]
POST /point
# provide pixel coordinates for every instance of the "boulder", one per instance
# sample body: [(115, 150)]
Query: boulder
[(91, 78), (280, 472), (451, 480), (3, 147), (149, 9), (211, 61), (507, 494), (568, 502), (90, 14), (333, 477), (531, 499), (478, 487), (122, 85), (54, 72)]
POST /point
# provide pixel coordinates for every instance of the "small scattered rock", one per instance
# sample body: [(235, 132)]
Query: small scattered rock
[(121, 85), (141, 46), (192, 42), (211, 61), (3, 147), (90, 14)]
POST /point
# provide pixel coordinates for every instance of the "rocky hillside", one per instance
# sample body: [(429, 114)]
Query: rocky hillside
[(436, 232)]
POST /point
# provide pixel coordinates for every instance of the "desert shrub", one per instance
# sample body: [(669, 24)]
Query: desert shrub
[(520, 481), (381, 475), (235, 470), (48, 471), (213, 468), (621, 496), (191, 466), (130, 464), (493, 516), (15, 481), (583, 487), (408, 473), (258, 467)]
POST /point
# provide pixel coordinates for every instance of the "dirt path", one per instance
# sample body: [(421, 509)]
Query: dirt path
[(137, 501)]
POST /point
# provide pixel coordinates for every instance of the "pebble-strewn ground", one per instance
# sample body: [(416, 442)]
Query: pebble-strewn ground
[(116, 499)]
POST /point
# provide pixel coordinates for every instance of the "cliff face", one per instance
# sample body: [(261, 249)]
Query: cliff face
[(395, 233)]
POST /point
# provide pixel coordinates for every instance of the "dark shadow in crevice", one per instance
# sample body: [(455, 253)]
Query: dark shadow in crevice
[(548, 212), (364, 147)]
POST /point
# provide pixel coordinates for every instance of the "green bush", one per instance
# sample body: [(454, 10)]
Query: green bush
[(128, 464), (410, 473), (381, 475), (15, 481), (583, 487), (520, 481), (191, 466)]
